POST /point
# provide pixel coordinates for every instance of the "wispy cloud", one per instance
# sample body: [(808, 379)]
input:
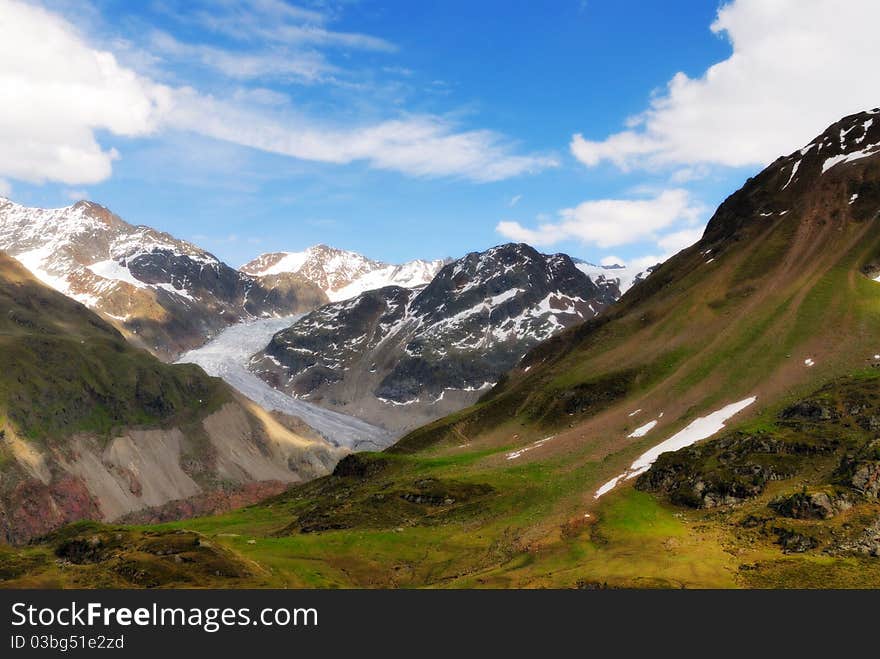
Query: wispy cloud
[(514, 200), (306, 66), (56, 97), (420, 145), (273, 21), (796, 67)]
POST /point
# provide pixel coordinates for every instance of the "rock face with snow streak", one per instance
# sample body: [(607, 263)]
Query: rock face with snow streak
[(165, 294), (399, 357), (820, 165), (342, 274)]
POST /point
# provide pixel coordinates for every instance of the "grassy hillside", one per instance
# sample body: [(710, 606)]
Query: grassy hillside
[(464, 520), (66, 371)]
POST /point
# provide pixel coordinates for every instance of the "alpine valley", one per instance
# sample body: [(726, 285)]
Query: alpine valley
[(710, 423)]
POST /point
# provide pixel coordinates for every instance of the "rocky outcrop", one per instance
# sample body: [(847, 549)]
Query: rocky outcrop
[(867, 543), (866, 478), (725, 471), (810, 505), (237, 456)]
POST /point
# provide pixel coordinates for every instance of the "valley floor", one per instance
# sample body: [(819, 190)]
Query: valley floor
[(454, 517)]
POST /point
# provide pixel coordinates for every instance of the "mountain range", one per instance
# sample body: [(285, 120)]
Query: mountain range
[(400, 357), (164, 294), (715, 426)]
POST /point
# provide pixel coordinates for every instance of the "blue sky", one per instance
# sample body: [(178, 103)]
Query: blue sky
[(418, 130)]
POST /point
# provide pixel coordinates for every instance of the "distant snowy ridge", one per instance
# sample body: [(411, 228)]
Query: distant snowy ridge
[(343, 274), (82, 250), (621, 276)]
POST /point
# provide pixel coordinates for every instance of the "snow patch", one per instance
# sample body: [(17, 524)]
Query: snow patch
[(869, 150), (696, 430), (110, 269), (513, 455), (793, 173), (641, 431)]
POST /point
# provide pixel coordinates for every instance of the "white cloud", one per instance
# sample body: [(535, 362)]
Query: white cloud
[(610, 222), (797, 66), (420, 145), (612, 260), (57, 95), (56, 92), (307, 66), (678, 240), (278, 22), (76, 195), (5, 188), (514, 200)]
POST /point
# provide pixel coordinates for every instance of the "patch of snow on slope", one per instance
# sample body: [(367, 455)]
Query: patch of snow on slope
[(869, 150), (696, 430), (641, 431), (513, 455), (110, 269), (865, 127), (793, 173)]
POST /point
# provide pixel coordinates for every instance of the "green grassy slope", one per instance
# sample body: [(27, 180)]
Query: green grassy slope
[(65, 371)]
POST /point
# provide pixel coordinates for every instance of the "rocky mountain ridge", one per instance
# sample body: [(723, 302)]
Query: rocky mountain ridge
[(397, 356), (165, 294)]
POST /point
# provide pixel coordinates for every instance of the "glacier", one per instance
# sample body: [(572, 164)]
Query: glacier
[(226, 356)]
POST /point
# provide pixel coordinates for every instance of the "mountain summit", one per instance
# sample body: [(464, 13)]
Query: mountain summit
[(342, 274)]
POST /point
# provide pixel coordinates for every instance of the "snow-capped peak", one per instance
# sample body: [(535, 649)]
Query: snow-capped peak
[(168, 292), (83, 249), (343, 274)]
